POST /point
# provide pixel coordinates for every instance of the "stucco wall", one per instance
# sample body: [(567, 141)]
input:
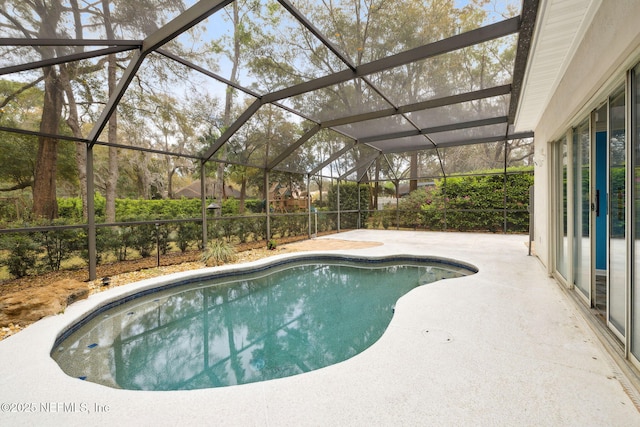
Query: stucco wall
[(609, 47)]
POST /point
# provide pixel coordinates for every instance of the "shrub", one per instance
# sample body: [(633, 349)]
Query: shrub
[(107, 241), (243, 229), (9, 210), (254, 205), (188, 234), (218, 252), (121, 242), (272, 244), (259, 228), (143, 238), (59, 245), (70, 208), (163, 233), (230, 207), (22, 253)]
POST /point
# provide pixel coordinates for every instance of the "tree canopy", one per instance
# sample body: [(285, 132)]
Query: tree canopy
[(357, 89)]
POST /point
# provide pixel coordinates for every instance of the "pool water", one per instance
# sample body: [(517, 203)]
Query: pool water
[(255, 327)]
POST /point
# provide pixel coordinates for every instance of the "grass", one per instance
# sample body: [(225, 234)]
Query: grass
[(218, 252)]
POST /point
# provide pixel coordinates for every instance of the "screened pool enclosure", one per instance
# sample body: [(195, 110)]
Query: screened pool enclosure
[(250, 120)]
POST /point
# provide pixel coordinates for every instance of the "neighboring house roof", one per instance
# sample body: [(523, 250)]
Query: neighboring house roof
[(192, 191)]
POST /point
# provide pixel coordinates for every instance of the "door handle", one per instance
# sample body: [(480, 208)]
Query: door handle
[(597, 203)]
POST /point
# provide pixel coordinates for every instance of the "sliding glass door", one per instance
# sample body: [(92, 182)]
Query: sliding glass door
[(635, 287), (582, 209), (562, 242), (617, 221)]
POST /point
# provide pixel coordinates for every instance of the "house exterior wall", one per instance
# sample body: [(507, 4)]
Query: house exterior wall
[(610, 46)]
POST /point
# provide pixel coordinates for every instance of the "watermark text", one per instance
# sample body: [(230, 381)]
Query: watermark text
[(54, 407)]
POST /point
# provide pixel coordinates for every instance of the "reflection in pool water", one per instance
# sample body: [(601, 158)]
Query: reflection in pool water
[(285, 321)]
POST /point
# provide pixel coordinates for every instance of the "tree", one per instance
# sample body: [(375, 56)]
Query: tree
[(17, 157), (368, 30), (233, 49), (62, 83), (264, 137)]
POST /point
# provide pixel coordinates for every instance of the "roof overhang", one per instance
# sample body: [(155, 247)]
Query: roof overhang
[(560, 28)]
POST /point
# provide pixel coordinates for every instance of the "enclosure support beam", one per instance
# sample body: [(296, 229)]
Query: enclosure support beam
[(365, 164), (267, 207), (436, 129), (231, 130), (115, 97), (12, 41), (203, 200), (358, 225), (470, 38), (227, 82), (192, 16), (309, 203), (396, 184), (338, 199), (63, 59), (91, 217), (186, 20), (496, 138), (333, 157), (445, 203), (304, 138), (504, 187), (419, 106), (316, 32)]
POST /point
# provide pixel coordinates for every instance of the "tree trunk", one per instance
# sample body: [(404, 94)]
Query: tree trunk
[(112, 174), (376, 186), (112, 177), (219, 191), (81, 164), (142, 172), (73, 121), (413, 183), (243, 193), (172, 172), (45, 204)]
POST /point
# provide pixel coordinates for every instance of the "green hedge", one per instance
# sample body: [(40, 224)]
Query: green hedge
[(477, 202), (41, 251), (464, 203), (129, 209), (349, 193)]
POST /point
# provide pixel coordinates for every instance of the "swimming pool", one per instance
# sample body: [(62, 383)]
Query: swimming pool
[(270, 322)]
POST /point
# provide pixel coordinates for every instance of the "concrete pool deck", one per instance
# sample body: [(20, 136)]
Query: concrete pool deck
[(506, 346)]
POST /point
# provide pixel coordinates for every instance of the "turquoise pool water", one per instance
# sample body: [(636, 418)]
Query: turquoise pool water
[(253, 327)]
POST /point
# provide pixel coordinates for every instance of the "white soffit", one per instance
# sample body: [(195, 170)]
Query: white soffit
[(560, 27)]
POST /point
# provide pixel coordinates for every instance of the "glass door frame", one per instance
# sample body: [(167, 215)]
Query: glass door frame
[(577, 212), (621, 335), (631, 129), (602, 201), (560, 150)]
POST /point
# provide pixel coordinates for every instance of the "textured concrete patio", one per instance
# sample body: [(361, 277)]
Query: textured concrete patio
[(505, 346)]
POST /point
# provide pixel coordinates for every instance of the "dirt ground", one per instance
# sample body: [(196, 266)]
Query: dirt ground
[(26, 300)]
